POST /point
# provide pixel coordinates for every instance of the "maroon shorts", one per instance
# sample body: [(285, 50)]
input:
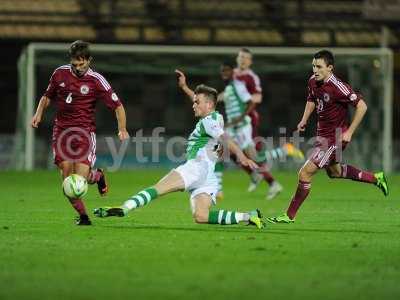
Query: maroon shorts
[(326, 152), (74, 144)]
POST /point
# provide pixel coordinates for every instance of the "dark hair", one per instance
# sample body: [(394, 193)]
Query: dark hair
[(245, 50), (327, 56), (79, 49), (228, 63), (208, 91)]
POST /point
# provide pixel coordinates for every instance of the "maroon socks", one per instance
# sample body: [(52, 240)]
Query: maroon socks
[(353, 173), (266, 174), (79, 206), (303, 189)]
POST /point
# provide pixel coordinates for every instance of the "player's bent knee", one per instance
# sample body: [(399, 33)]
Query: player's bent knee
[(300, 173), (332, 174), (307, 171), (200, 216), (303, 175)]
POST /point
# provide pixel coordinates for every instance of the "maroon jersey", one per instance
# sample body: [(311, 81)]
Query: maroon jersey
[(250, 79), (332, 99), (75, 97)]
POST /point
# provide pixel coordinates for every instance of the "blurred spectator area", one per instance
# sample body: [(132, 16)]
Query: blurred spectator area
[(227, 22)]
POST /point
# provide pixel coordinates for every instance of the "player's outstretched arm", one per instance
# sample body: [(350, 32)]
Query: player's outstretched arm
[(37, 117), (121, 118), (183, 85), (310, 106), (234, 149), (361, 109)]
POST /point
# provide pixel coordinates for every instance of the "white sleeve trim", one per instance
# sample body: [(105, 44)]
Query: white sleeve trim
[(101, 79)]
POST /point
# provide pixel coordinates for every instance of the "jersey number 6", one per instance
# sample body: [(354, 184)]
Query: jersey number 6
[(69, 98)]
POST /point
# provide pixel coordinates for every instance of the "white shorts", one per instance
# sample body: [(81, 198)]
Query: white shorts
[(199, 177), (243, 136)]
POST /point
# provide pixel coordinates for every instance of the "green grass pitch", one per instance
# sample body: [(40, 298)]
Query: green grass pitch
[(345, 243)]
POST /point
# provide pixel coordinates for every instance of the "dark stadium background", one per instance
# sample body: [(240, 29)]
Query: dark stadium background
[(178, 22)]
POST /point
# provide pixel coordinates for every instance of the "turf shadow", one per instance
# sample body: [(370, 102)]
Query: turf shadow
[(243, 229), (338, 231)]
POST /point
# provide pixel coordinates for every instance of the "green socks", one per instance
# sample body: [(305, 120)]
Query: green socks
[(225, 217), (140, 199)]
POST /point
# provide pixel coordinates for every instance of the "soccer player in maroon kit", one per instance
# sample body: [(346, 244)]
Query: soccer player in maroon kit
[(331, 98), (75, 89), (243, 73)]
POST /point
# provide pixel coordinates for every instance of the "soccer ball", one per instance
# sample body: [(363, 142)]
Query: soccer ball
[(75, 186)]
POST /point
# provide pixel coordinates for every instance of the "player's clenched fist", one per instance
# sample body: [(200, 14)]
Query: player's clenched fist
[(36, 119), (181, 78), (301, 126), (123, 135)]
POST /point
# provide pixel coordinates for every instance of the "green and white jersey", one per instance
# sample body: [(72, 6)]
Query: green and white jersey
[(203, 140), (236, 97)]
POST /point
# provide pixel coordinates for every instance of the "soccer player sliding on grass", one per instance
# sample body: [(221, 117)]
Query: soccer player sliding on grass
[(238, 101), (332, 98), (197, 175)]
